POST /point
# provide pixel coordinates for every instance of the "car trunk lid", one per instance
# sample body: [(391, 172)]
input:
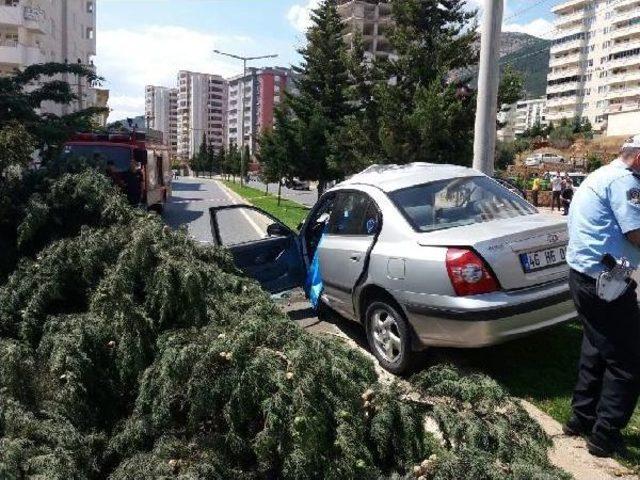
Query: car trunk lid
[(501, 242)]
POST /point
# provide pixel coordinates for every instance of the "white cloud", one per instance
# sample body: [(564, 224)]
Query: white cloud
[(124, 106), (129, 60), (538, 27), (480, 5), (299, 15)]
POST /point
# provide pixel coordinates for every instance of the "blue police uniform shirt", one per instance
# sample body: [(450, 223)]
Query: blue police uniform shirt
[(604, 208)]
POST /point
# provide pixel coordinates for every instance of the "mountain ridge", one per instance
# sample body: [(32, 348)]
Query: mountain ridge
[(530, 56)]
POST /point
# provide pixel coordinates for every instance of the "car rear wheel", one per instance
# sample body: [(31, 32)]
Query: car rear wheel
[(389, 336)]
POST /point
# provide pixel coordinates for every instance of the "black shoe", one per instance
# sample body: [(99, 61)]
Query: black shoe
[(576, 428), (601, 445)]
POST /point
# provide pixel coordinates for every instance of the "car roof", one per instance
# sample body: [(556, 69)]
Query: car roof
[(389, 178)]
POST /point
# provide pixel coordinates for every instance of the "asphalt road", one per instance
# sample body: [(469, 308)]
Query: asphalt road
[(304, 197), (189, 207)]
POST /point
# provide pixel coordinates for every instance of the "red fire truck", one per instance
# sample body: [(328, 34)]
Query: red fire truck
[(137, 162)]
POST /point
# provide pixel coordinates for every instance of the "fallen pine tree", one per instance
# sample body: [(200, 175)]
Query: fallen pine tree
[(129, 351)]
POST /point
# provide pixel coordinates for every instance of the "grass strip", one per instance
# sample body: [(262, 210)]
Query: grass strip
[(288, 212)]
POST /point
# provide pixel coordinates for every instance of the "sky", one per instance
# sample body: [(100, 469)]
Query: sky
[(146, 42)]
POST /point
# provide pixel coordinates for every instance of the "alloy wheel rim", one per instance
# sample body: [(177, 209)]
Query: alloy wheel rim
[(386, 335)]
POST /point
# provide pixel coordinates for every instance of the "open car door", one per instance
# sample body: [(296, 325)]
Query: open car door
[(262, 247)]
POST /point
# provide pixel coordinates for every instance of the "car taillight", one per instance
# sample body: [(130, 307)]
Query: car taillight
[(468, 273)]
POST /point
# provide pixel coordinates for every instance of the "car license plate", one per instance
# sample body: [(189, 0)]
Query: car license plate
[(541, 259)]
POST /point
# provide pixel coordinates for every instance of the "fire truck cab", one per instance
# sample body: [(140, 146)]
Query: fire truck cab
[(139, 165)]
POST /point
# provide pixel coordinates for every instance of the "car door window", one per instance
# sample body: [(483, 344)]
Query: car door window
[(354, 214), (317, 224), (243, 225)]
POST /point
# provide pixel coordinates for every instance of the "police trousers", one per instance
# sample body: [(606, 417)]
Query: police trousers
[(609, 369)]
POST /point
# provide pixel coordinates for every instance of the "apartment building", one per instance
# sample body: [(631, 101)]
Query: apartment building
[(530, 113), (369, 19), (262, 90), (516, 118), (161, 114), (594, 67), (39, 31), (201, 112)]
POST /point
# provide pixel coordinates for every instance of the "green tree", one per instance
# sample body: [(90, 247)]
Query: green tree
[(562, 136), (16, 146), (360, 136), (23, 93), (222, 161), (586, 129), (232, 161), (212, 160), (511, 88), (505, 155), (536, 130), (278, 149), (594, 161), (421, 114), (246, 160), (200, 161), (550, 128), (322, 103)]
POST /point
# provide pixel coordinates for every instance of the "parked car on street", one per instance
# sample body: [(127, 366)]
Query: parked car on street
[(296, 184), (537, 159), (421, 255)]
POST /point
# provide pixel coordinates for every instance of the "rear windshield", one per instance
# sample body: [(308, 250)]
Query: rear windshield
[(101, 156), (457, 202)]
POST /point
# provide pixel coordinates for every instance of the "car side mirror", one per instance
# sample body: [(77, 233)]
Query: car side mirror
[(277, 230)]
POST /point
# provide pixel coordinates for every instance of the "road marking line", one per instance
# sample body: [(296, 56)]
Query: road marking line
[(231, 194)]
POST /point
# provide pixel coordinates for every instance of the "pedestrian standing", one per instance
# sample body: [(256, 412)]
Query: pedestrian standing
[(605, 220), (567, 196), (535, 189), (556, 190)]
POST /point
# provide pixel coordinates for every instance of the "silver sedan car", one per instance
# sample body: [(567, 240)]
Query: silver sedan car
[(421, 255)]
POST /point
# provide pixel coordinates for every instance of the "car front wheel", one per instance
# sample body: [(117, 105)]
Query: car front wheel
[(389, 336)]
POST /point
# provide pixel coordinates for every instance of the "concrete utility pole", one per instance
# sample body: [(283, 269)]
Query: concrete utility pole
[(484, 143), (244, 74)]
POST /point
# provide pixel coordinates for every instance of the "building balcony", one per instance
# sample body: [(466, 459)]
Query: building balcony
[(567, 46), (566, 60), (11, 16), (624, 77), (623, 62), (563, 87), (625, 15), (623, 107), (564, 73), (569, 6), (624, 31), (562, 101), (622, 46), (565, 21), (624, 92), (31, 18), (622, 4), (559, 115), (19, 55)]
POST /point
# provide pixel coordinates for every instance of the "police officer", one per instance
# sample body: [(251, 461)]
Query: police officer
[(605, 219)]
